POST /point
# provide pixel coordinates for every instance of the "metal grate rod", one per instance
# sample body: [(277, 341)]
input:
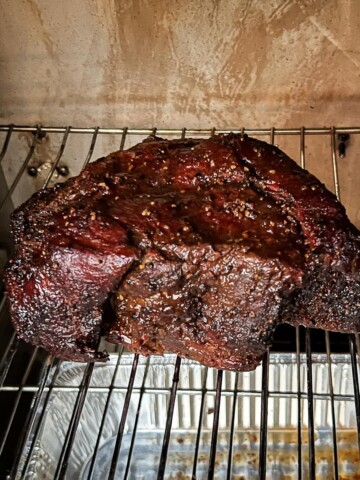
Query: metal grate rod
[(332, 406), (298, 371), (74, 422), (123, 138), (352, 342), (215, 427), (91, 149), (169, 418), (334, 163), (310, 399), (58, 157), (7, 357), (201, 415), (177, 131), (41, 417), (137, 417), (327, 336), (6, 142), (106, 408), (193, 391), (115, 457), (17, 399), (299, 415), (302, 147), (264, 393), (264, 416), (232, 427), (29, 423)]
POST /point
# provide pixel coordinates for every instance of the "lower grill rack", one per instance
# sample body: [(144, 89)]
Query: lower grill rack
[(120, 430)]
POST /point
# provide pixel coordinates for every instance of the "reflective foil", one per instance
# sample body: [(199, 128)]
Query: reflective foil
[(237, 451)]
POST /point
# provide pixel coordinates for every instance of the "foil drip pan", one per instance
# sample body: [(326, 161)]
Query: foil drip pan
[(140, 451)]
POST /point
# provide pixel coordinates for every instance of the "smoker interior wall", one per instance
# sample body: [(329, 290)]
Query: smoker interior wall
[(199, 64), (195, 63)]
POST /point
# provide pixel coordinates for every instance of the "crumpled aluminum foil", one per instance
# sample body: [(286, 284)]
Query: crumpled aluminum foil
[(282, 444)]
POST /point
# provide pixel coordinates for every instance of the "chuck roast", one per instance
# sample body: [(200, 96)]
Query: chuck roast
[(198, 246)]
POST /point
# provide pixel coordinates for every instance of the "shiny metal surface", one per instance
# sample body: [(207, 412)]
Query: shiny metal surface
[(153, 381)]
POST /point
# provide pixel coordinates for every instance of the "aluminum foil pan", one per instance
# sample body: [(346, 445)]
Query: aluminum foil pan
[(140, 453)]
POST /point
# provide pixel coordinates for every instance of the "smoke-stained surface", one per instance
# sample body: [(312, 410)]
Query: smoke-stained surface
[(190, 63)]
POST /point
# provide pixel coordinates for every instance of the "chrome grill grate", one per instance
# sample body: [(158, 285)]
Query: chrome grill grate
[(296, 416)]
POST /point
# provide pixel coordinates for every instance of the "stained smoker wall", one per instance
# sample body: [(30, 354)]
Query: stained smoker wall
[(199, 64), (194, 63)]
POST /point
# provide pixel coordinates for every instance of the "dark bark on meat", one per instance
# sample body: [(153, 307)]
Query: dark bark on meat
[(201, 247)]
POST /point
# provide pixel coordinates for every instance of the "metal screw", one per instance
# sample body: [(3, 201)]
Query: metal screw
[(63, 171), (40, 134), (32, 171), (343, 137)]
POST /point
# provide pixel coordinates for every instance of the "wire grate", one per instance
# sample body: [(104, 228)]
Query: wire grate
[(296, 416)]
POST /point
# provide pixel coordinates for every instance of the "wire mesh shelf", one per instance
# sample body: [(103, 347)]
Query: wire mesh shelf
[(296, 416)]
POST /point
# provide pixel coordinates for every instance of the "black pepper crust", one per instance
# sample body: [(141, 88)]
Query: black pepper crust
[(199, 246)]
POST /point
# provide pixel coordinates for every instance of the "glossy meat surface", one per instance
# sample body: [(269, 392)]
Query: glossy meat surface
[(198, 247)]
